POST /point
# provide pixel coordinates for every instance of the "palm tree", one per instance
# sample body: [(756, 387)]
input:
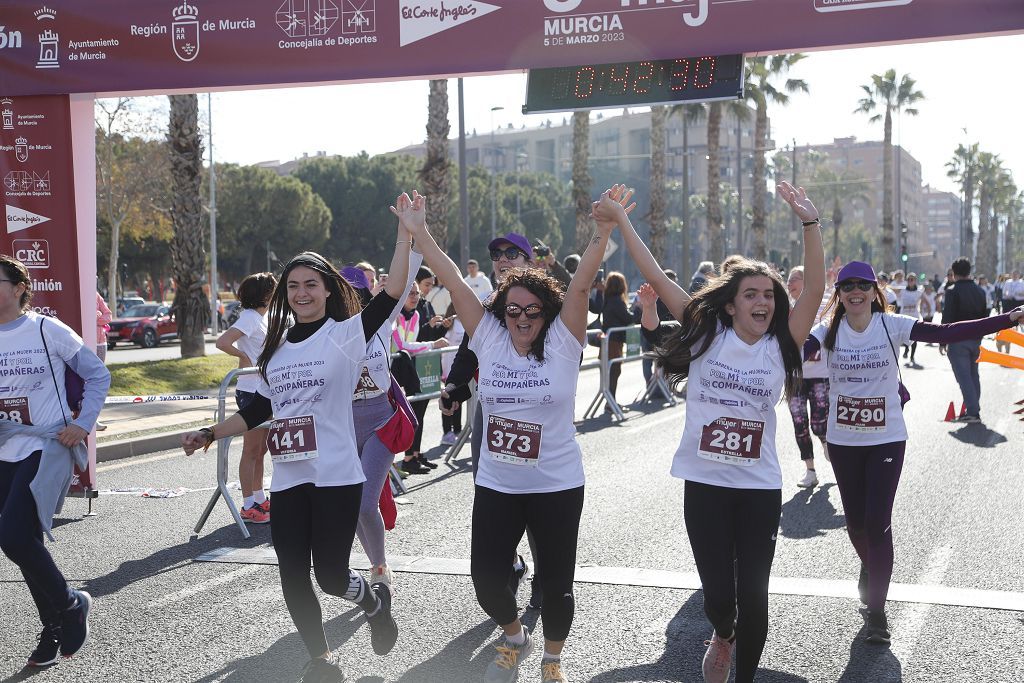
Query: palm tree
[(990, 167), (656, 216), (1003, 197), (963, 168), (581, 179), (888, 94), (435, 172), (188, 255), (688, 113), (836, 189), (761, 88), (716, 228)]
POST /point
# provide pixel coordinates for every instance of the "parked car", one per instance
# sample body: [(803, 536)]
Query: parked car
[(146, 325), (126, 302)]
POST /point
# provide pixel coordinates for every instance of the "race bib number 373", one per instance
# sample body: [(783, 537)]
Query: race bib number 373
[(292, 438), (513, 441), (732, 441), (857, 414)]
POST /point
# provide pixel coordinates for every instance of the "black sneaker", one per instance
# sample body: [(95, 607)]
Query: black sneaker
[(536, 595), (74, 624), (877, 628), (322, 670), (48, 650), (383, 629), (413, 467), (518, 574), (426, 463), (862, 584)]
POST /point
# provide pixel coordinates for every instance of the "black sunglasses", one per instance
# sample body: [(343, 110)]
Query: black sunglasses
[(511, 253), (532, 311), (860, 284)]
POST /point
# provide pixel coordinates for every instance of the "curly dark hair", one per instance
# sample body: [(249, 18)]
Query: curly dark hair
[(706, 310), (542, 286)]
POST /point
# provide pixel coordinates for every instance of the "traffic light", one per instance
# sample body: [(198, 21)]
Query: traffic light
[(903, 243), (903, 255)]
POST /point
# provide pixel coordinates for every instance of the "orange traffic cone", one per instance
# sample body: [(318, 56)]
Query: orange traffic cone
[(963, 409), (950, 413)]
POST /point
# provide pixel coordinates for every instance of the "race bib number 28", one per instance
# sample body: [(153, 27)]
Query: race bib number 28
[(292, 438), (15, 409), (732, 441), (513, 441)]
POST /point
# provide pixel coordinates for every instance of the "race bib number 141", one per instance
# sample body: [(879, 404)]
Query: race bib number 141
[(292, 438)]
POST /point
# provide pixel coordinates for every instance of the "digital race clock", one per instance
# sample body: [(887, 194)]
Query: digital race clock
[(653, 81)]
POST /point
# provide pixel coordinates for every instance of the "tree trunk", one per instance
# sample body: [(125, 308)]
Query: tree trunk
[(758, 225), (984, 262), (888, 234), (716, 236), (968, 236), (685, 236), (581, 178), (657, 213), (434, 174), (188, 253), (115, 256), (837, 221)]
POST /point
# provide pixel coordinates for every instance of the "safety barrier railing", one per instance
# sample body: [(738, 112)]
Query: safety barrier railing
[(224, 444), (604, 392)]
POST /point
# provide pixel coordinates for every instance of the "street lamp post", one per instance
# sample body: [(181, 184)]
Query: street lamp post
[(494, 178), (521, 157)]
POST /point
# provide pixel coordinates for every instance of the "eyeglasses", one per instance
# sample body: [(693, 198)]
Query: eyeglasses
[(532, 311), (863, 286), (511, 253)]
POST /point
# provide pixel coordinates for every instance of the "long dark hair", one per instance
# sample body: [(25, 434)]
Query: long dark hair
[(542, 286), (342, 302), (878, 305), (706, 311)]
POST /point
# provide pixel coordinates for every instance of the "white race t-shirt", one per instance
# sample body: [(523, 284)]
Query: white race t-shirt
[(729, 437), (910, 301), (864, 404), (481, 284), (253, 327), (27, 392), (529, 440), (312, 438)]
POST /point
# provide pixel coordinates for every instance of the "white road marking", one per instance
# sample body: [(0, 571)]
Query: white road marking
[(202, 586), (907, 628)]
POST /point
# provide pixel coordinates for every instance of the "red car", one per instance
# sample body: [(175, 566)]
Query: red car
[(146, 325)]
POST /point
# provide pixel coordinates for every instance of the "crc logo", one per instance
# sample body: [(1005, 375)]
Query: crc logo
[(33, 253)]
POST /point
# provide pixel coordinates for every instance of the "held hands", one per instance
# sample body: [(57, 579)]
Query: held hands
[(440, 343), (72, 435), (411, 213), (612, 208), (448, 411), (797, 199), (646, 295)]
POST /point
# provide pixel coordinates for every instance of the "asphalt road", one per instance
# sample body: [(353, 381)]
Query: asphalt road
[(160, 615)]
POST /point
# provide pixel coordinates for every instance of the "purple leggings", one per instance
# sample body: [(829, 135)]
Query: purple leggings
[(815, 392), (868, 477)]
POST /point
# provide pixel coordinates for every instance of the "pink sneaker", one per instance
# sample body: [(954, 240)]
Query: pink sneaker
[(255, 515), (718, 659)]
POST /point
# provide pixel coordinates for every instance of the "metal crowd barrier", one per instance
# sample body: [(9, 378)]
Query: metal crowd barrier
[(224, 445), (604, 393)]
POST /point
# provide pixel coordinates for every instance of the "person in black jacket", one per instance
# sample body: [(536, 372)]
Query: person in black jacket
[(610, 301), (965, 300)]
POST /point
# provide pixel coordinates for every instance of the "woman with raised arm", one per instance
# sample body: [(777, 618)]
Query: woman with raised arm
[(308, 372), (739, 344), (528, 339)]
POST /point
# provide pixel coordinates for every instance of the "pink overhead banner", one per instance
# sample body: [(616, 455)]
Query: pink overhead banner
[(72, 46)]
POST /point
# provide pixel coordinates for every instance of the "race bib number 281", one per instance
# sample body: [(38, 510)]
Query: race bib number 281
[(292, 438), (732, 441)]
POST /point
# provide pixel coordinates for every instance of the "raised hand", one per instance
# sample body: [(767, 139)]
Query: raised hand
[(613, 206), (797, 199), (646, 296), (411, 213)]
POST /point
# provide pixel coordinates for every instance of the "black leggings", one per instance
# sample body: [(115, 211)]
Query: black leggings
[(318, 522), (868, 477), (420, 409), (499, 520), (732, 534)]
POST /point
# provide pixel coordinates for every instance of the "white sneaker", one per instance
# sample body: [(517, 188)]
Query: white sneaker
[(381, 574), (809, 480), (449, 439), (717, 660)]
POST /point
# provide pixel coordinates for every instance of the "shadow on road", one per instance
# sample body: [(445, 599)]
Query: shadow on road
[(283, 661), (977, 434), (684, 652), (810, 513), (871, 662), (455, 661), (175, 557)]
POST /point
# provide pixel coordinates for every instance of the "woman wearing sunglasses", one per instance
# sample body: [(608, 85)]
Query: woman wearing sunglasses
[(867, 435), (738, 345), (528, 339)]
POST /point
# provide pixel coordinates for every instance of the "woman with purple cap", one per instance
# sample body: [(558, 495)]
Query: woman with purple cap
[(867, 435), (371, 408)]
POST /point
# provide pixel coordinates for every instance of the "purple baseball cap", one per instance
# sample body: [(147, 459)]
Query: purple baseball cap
[(516, 240), (856, 270), (355, 277)]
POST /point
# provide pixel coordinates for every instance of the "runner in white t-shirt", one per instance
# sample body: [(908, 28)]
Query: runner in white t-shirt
[(867, 435), (477, 281), (739, 345), (528, 340), (308, 373), (914, 304), (244, 340)]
